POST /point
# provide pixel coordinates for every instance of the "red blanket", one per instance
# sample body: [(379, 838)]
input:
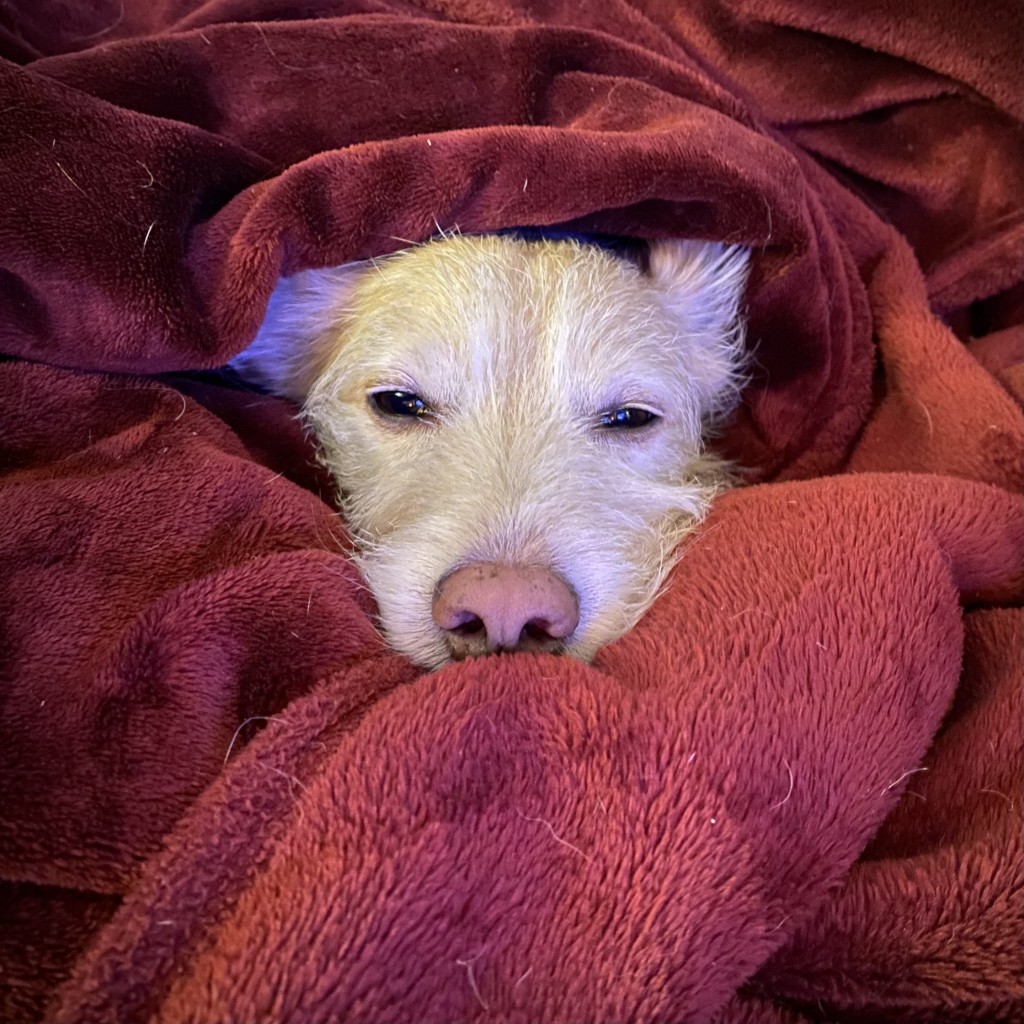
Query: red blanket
[(792, 793)]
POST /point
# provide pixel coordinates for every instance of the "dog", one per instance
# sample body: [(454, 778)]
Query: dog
[(516, 425)]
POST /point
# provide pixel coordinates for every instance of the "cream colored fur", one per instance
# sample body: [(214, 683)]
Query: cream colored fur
[(519, 347)]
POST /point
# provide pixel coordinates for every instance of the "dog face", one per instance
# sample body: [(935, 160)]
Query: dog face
[(516, 427)]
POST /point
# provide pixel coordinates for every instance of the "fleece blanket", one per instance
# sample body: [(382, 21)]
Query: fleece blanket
[(792, 793)]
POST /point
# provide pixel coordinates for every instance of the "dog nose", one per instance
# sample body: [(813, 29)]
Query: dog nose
[(487, 606)]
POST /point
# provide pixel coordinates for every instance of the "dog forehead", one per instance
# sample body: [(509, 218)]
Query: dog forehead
[(471, 307)]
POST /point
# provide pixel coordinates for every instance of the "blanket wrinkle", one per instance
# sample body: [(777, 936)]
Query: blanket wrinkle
[(791, 794)]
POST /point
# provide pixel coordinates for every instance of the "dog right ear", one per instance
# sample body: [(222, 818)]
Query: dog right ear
[(702, 284), (300, 331)]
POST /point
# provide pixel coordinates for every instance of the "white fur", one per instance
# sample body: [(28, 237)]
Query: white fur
[(519, 346)]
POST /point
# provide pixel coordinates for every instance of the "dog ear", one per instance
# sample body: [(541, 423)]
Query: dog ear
[(702, 285), (300, 331)]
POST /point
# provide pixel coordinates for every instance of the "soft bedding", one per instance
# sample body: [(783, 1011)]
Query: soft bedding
[(792, 793)]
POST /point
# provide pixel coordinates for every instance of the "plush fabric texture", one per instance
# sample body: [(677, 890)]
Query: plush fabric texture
[(792, 793)]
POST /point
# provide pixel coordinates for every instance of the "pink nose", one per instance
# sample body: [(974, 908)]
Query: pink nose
[(490, 607)]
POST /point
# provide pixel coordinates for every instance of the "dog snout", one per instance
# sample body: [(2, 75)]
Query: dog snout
[(487, 606)]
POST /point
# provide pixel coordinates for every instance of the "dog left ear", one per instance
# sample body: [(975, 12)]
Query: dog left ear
[(300, 330), (702, 285)]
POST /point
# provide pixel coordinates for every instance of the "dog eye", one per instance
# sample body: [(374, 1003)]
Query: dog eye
[(630, 417), (399, 403)]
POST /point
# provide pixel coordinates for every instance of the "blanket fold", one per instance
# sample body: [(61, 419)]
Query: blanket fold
[(557, 828), (791, 794)]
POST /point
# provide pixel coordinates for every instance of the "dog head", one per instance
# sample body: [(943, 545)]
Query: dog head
[(516, 427)]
